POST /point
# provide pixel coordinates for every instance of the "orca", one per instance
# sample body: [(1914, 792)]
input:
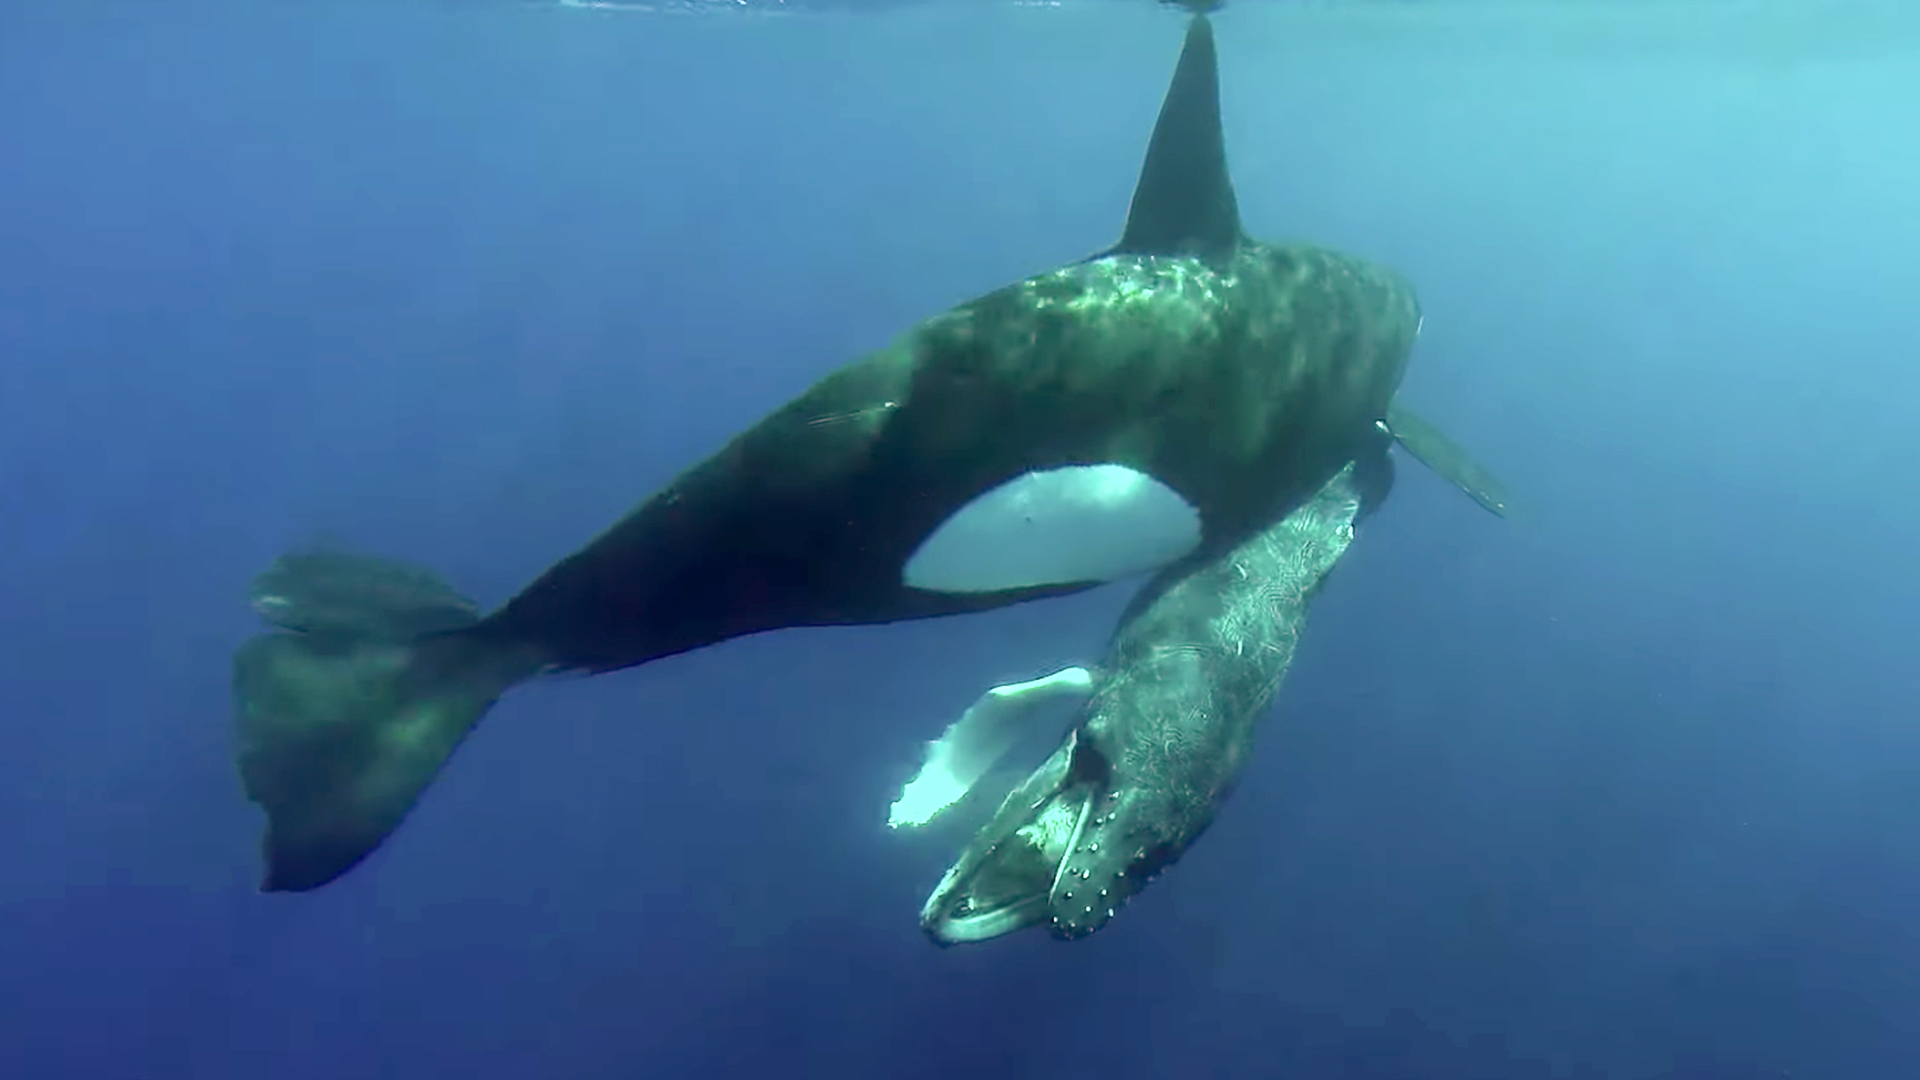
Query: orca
[(1146, 408)]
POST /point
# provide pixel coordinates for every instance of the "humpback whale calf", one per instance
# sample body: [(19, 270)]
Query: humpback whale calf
[(1163, 732), (1149, 407), (1165, 723)]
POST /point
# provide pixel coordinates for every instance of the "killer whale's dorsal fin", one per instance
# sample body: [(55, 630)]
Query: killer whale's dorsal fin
[(1184, 202)]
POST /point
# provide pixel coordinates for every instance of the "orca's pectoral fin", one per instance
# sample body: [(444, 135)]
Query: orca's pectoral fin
[(1444, 456), (977, 741)]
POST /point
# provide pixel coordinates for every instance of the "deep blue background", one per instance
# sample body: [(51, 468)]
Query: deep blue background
[(1628, 787)]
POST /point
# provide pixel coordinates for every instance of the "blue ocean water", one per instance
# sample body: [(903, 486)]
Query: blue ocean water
[(1624, 787)]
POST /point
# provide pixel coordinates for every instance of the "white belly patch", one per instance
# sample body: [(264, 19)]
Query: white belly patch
[(1055, 527)]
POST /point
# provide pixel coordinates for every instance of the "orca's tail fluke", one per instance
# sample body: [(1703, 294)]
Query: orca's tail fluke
[(346, 714)]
